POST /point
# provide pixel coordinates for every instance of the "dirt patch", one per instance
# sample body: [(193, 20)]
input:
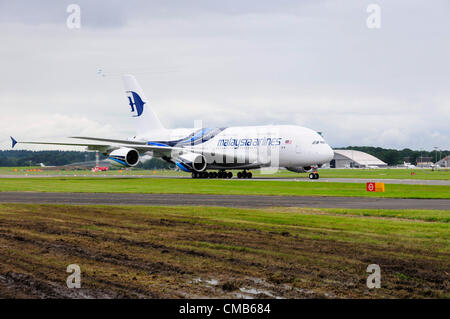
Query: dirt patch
[(125, 253)]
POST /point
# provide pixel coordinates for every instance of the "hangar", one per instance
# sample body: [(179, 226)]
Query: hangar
[(354, 159), (444, 162)]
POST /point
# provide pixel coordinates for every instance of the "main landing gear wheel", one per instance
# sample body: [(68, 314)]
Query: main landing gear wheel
[(244, 174), (223, 174), (200, 174), (313, 175), (220, 174)]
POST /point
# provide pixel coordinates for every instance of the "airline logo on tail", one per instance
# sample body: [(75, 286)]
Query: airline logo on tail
[(136, 103)]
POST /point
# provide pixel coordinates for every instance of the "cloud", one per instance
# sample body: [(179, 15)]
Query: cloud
[(50, 128)]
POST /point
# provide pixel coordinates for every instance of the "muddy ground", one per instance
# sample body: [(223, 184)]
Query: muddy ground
[(155, 252)]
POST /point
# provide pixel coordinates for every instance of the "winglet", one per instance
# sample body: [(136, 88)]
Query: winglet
[(14, 142)]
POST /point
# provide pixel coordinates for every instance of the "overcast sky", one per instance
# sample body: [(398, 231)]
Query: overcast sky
[(311, 63)]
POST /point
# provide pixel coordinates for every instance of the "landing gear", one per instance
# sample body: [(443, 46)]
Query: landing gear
[(244, 174), (223, 174), (314, 175), (220, 174), (200, 175)]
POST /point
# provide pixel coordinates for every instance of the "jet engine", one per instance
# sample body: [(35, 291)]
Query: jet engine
[(124, 157), (299, 169), (191, 162)]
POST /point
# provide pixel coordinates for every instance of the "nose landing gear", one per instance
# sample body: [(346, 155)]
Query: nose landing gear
[(314, 175)]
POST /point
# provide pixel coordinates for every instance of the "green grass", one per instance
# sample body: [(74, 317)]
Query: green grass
[(419, 174), (338, 227), (200, 186), (37, 170), (425, 215)]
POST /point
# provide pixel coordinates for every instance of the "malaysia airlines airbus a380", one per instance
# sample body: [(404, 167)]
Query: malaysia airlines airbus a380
[(209, 152)]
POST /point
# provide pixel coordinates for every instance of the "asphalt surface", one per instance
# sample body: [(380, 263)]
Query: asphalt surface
[(248, 201), (258, 178)]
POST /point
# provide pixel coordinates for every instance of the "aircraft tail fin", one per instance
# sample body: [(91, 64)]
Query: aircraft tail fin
[(146, 119)]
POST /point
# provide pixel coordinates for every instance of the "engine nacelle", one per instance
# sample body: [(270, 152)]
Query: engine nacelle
[(124, 157), (299, 169), (191, 162)]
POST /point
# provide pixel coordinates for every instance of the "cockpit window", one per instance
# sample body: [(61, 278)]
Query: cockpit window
[(318, 142)]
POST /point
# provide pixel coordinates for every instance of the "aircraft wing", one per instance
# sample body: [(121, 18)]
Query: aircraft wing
[(109, 140), (107, 145), (104, 146), (111, 144)]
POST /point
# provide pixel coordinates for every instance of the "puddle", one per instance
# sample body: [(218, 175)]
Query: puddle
[(242, 296), (196, 280), (254, 291), (213, 282), (305, 291)]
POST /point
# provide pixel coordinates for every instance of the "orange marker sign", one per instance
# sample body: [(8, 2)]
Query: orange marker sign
[(375, 187)]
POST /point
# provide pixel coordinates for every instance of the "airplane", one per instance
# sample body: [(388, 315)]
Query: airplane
[(45, 166), (407, 165), (208, 152)]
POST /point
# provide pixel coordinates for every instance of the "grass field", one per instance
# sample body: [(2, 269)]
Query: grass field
[(179, 252), (421, 174), (201, 186)]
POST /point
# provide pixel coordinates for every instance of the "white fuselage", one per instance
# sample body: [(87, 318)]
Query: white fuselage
[(249, 146)]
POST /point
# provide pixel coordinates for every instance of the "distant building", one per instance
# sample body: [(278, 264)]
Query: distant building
[(356, 159), (424, 161), (444, 162)]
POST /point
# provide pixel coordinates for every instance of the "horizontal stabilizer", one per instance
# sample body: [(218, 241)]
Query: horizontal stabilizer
[(14, 142)]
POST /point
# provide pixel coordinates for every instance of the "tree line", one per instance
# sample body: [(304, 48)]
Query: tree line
[(12, 158)]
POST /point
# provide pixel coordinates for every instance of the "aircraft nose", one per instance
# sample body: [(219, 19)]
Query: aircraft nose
[(329, 153)]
